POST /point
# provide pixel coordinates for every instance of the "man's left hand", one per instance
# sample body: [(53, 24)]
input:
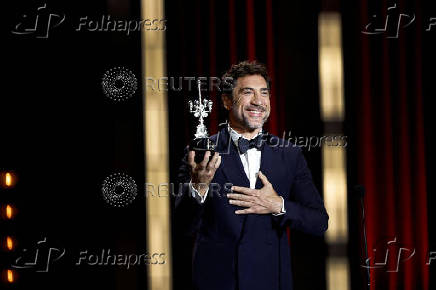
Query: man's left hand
[(259, 201)]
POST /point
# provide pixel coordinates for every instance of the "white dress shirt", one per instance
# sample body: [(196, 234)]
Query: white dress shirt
[(250, 159), (251, 163)]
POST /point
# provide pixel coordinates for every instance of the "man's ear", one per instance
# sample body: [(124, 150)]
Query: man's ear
[(227, 101)]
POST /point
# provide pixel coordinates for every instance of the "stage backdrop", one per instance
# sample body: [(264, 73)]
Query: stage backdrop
[(389, 81), (203, 39)]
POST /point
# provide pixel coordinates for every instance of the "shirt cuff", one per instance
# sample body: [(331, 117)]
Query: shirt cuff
[(195, 194), (283, 210)]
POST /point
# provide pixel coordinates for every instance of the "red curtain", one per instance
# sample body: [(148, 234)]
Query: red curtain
[(391, 153), (203, 39), (244, 38)]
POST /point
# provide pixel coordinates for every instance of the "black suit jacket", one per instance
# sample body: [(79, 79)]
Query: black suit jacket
[(248, 252)]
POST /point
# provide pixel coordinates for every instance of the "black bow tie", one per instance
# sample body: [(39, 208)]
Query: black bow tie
[(244, 144)]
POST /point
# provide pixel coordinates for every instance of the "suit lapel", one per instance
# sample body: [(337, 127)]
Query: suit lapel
[(266, 164), (272, 167), (234, 173), (230, 161)]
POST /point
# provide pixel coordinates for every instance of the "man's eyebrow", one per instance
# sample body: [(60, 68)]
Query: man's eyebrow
[(252, 89), (246, 88)]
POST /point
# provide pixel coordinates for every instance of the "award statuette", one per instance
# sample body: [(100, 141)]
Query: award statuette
[(201, 143)]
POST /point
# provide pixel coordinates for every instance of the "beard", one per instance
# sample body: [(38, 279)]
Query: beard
[(252, 125)]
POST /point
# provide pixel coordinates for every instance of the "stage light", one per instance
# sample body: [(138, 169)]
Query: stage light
[(9, 211), (8, 179), (10, 276), (9, 243)]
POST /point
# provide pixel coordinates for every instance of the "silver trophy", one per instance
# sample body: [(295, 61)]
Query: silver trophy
[(201, 108)]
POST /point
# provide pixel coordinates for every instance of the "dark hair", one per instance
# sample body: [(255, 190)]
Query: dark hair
[(243, 69)]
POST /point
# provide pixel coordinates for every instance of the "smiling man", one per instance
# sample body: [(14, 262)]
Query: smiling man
[(240, 200)]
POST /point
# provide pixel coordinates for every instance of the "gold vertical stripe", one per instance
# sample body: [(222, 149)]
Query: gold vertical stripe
[(335, 192), (338, 273), (333, 157), (330, 67), (156, 146)]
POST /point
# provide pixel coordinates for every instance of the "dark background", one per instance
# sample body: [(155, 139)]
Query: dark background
[(62, 137)]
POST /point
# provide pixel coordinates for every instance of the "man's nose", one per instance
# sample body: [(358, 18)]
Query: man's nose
[(256, 99)]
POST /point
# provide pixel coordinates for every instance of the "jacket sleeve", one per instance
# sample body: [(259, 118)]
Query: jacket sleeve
[(188, 210), (305, 209)]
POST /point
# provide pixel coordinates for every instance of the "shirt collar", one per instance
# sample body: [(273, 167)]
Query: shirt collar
[(235, 135)]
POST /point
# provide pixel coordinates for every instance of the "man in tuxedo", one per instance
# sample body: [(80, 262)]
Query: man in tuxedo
[(239, 201)]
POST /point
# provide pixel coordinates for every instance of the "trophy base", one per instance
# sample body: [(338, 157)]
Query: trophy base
[(201, 146)]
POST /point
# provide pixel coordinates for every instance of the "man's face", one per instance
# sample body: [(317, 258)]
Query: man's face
[(250, 107)]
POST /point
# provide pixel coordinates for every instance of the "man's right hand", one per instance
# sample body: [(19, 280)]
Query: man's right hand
[(202, 173)]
